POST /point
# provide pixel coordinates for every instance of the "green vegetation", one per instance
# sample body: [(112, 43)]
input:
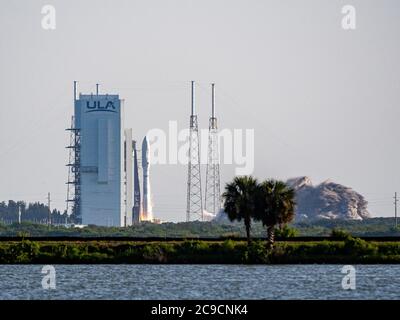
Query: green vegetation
[(242, 201), (373, 227), (286, 232), (349, 250), (33, 212), (195, 229), (271, 202), (277, 207), (339, 234)]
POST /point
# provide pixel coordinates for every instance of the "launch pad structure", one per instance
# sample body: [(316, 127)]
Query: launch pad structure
[(103, 186), (74, 174), (194, 205), (212, 201)]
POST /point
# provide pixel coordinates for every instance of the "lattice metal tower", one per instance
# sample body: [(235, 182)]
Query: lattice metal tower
[(212, 201), (70, 192), (194, 196), (74, 170)]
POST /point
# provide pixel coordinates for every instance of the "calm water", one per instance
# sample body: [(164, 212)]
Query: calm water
[(199, 282)]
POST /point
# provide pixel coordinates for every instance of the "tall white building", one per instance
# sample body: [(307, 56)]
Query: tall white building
[(105, 161)]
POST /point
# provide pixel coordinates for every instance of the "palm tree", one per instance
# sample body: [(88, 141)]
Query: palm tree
[(278, 207), (240, 200)]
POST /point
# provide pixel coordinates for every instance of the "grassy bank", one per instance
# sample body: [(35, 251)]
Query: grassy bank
[(367, 227), (199, 252)]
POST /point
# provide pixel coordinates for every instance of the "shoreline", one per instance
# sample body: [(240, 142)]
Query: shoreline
[(91, 251)]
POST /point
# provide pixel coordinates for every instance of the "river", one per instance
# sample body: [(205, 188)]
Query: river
[(199, 282)]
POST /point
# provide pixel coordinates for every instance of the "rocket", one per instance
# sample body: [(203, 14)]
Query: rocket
[(147, 210), (136, 185)]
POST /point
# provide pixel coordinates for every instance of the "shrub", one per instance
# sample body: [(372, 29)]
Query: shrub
[(228, 245), (95, 257), (153, 253), (256, 253), (357, 246), (389, 248), (193, 247), (286, 232), (23, 234), (23, 252), (340, 234), (230, 235)]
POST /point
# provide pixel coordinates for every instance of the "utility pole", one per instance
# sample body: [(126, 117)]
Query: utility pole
[(19, 214), (48, 204), (395, 208)]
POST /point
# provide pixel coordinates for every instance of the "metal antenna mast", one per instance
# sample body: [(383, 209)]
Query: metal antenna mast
[(212, 201), (194, 196), (19, 214), (74, 173)]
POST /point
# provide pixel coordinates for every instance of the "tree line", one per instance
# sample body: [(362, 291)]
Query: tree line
[(271, 202), (34, 212)]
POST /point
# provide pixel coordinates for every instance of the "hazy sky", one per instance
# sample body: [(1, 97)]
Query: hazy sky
[(323, 101)]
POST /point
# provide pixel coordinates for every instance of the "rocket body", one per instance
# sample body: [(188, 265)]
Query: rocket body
[(136, 185), (147, 210)]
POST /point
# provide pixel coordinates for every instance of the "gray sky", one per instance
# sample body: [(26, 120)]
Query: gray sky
[(324, 102)]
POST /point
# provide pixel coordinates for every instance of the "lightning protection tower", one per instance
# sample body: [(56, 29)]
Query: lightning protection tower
[(74, 172), (194, 196), (212, 202)]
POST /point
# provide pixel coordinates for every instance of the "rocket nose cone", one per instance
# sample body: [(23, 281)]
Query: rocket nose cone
[(144, 143), (145, 152)]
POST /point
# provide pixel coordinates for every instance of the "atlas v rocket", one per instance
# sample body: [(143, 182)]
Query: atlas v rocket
[(136, 185), (147, 210)]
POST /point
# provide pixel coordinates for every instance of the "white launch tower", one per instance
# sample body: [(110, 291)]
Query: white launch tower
[(100, 168)]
